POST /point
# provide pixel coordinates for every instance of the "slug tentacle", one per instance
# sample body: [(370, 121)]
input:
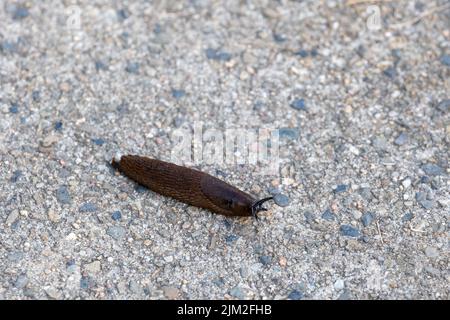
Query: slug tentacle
[(189, 186)]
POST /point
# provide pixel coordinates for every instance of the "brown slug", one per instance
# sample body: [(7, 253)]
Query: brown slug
[(189, 186)]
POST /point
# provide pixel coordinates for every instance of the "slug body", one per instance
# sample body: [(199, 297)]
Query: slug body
[(189, 186)]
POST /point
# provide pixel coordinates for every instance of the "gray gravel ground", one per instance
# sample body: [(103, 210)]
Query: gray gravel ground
[(365, 148)]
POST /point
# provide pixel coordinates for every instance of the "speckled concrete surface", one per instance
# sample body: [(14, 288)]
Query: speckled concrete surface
[(365, 148)]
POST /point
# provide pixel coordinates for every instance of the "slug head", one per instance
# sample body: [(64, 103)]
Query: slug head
[(257, 206)]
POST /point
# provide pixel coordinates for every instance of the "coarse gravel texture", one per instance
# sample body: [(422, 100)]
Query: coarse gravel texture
[(364, 148)]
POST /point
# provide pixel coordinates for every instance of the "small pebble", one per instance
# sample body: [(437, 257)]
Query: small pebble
[(63, 195), (367, 218), (58, 125), (132, 67), (302, 53), (238, 293), (390, 72), (15, 256), (265, 260), (8, 47), (100, 65), (339, 284), (444, 105), (401, 139), (445, 60), (36, 96), (295, 295), (328, 215), (116, 215), (279, 38), (432, 169), (341, 188), (425, 179), (12, 217), (288, 133), (431, 252), (349, 231), (406, 183), (157, 29), (213, 54), (231, 238), (281, 200), (98, 141), (178, 94), (309, 217), (421, 198), (123, 14), (88, 207), (20, 13), (14, 108), (93, 267), (85, 282), (407, 217), (298, 104), (16, 176), (21, 281), (273, 190), (116, 232)]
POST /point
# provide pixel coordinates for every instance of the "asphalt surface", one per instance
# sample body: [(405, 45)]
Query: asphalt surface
[(362, 105)]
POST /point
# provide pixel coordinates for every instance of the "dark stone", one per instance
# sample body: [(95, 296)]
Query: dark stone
[(390, 72), (140, 189), (401, 139), (157, 29), (8, 47), (302, 53), (367, 218), (177, 94), (444, 105), (116, 215), (295, 295), (279, 38), (100, 65), (36, 96), (123, 14), (432, 169), (349, 231), (88, 207), (85, 282), (309, 217), (273, 190), (231, 238), (58, 125), (407, 217), (314, 53), (298, 104), (98, 141), (445, 60), (425, 179), (63, 195), (14, 108), (132, 67), (281, 200), (421, 198), (289, 133), (328, 215), (341, 188), (16, 176), (20, 13), (214, 54), (265, 260)]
